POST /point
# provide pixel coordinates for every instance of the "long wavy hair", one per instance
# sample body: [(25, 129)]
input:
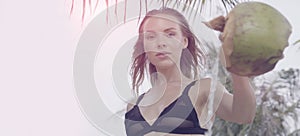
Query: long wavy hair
[(192, 58)]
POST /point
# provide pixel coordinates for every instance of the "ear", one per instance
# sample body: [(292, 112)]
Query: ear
[(185, 42)]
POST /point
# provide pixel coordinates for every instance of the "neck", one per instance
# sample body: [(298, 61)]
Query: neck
[(169, 75)]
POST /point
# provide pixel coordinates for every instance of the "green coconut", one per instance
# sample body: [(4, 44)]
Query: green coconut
[(254, 38)]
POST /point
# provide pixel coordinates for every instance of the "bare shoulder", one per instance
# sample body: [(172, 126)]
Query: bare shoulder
[(131, 103), (204, 81), (204, 85), (129, 106), (200, 91), (135, 101)]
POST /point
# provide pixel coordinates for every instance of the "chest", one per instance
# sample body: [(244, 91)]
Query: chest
[(172, 104)]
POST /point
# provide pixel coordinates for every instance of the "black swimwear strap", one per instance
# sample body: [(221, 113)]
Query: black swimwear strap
[(185, 91)]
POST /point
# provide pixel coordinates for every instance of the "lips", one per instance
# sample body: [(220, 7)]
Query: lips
[(162, 54)]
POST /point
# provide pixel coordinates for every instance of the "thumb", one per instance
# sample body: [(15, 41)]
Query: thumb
[(217, 23)]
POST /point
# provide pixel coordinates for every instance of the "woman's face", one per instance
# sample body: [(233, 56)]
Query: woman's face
[(163, 40)]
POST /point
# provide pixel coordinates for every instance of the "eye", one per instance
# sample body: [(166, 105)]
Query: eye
[(171, 34), (150, 36)]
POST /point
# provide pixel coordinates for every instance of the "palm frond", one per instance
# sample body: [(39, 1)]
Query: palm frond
[(72, 7), (197, 5), (298, 41), (227, 4)]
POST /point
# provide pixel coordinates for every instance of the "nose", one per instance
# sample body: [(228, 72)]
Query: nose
[(161, 45), (161, 41)]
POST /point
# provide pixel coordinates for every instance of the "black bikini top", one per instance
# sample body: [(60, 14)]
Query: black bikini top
[(179, 117)]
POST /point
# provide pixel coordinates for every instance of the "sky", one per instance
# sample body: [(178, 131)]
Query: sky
[(37, 46)]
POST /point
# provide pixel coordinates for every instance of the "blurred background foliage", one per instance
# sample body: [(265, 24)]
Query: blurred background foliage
[(278, 107)]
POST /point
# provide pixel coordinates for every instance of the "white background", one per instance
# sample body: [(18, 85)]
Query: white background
[(37, 43)]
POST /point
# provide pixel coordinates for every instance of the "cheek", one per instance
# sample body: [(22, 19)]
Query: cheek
[(177, 53), (179, 42), (177, 46), (150, 56), (148, 47)]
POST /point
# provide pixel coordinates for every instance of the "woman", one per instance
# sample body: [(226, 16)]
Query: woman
[(176, 104)]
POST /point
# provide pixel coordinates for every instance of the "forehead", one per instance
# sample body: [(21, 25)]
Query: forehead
[(161, 23)]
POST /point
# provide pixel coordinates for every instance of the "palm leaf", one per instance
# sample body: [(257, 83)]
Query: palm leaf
[(296, 42), (198, 5)]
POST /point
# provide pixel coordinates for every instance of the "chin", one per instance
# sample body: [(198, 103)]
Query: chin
[(166, 64)]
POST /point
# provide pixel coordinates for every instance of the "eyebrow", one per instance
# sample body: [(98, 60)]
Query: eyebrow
[(166, 30)]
